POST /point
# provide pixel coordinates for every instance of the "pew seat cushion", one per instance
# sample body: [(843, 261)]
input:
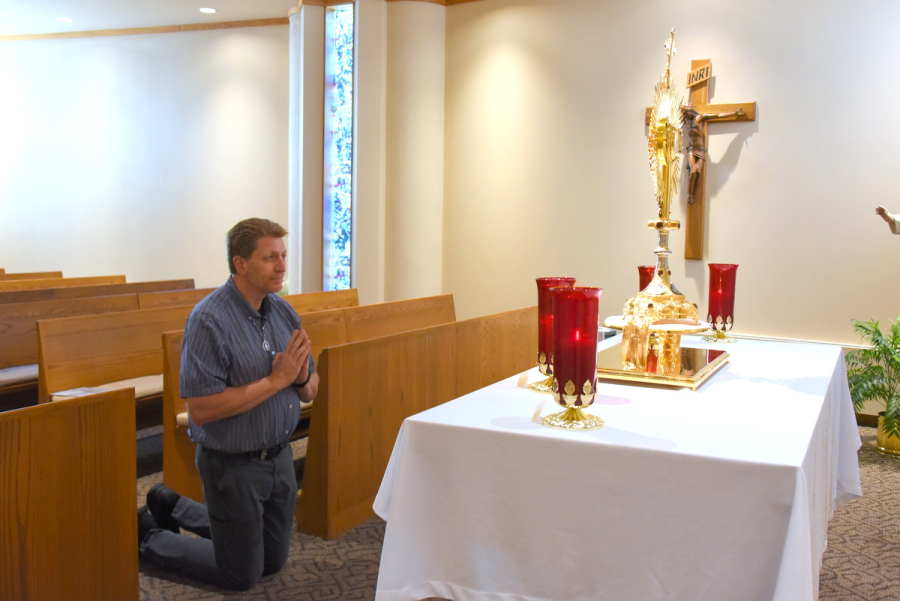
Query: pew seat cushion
[(20, 374), (144, 387)]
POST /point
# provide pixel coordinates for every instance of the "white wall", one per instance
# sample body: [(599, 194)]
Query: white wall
[(306, 156), (546, 162), (369, 139), (135, 154), (414, 196)]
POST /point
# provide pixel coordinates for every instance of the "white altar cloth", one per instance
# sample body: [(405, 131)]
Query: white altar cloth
[(716, 494)]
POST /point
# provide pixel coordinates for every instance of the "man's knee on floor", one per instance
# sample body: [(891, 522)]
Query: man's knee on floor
[(241, 580), (273, 565)]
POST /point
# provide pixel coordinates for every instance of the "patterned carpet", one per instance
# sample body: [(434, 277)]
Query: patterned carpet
[(862, 562)]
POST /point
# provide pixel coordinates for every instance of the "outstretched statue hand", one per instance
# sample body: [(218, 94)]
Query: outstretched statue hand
[(892, 220)]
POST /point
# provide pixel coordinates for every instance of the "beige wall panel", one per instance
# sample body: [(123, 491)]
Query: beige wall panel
[(546, 164), (135, 154), (415, 149)]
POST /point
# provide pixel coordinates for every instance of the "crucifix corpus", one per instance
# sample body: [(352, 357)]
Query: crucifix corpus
[(698, 114)]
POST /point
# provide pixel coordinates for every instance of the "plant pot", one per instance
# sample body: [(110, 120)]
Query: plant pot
[(889, 445)]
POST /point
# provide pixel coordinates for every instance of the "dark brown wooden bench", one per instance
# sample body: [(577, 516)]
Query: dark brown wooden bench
[(172, 298), (123, 288)]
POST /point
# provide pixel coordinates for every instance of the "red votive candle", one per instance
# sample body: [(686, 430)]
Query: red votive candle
[(721, 295), (645, 273), (576, 313), (545, 319)]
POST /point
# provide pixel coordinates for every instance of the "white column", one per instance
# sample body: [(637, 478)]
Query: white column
[(415, 149), (369, 150), (305, 148)]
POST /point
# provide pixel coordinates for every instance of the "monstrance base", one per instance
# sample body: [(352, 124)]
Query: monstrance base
[(697, 366), (573, 418), (545, 386)]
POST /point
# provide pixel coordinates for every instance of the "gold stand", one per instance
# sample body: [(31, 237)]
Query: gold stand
[(544, 386), (573, 418), (719, 336)]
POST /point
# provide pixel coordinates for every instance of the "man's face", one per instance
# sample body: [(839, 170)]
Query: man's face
[(265, 268)]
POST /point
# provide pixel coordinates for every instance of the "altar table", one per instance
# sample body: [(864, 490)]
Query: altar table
[(718, 494)]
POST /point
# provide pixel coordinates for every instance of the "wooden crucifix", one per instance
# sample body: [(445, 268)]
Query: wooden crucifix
[(697, 115)]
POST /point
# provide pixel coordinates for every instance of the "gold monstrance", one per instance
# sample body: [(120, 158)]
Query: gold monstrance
[(654, 321)]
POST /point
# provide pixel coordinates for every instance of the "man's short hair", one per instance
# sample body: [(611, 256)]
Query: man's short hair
[(244, 237)]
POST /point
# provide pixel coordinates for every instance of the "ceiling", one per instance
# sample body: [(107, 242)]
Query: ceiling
[(18, 17)]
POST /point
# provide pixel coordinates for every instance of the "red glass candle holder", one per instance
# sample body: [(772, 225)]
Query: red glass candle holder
[(576, 317), (721, 298), (645, 273), (545, 328)]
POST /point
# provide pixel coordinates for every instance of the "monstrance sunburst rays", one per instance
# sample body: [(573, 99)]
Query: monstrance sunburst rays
[(664, 145)]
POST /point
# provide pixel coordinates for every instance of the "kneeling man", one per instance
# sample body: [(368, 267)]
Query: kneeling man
[(246, 365)]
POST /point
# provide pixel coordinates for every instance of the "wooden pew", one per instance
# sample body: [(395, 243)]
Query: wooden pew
[(34, 275), (179, 472), (40, 294), (94, 350), (325, 328), (308, 302), (368, 388), (68, 525), (122, 288), (60, 282), (18, 333), (172, 298), (2, 270), (8, 297)]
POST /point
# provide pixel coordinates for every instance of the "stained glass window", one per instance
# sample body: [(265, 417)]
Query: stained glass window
[(338, 209)]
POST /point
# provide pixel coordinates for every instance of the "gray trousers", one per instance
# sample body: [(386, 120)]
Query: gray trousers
[(245, 526)]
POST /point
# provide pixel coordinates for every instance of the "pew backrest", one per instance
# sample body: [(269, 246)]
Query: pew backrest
[(33, 275), (67, 521), (308, 302), (60, 282), (172, 298), (123, 288), (324, 328), (91, 350), (26, 296), (371, 321), (350, 324), (18, 331), (367, 389)]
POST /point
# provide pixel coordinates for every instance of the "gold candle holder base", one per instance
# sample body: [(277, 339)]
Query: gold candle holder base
[(719, 336), (573, 418), (544, 386)]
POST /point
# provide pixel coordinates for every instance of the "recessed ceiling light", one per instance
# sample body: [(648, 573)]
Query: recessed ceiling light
[(64, 19), (208, 11)]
